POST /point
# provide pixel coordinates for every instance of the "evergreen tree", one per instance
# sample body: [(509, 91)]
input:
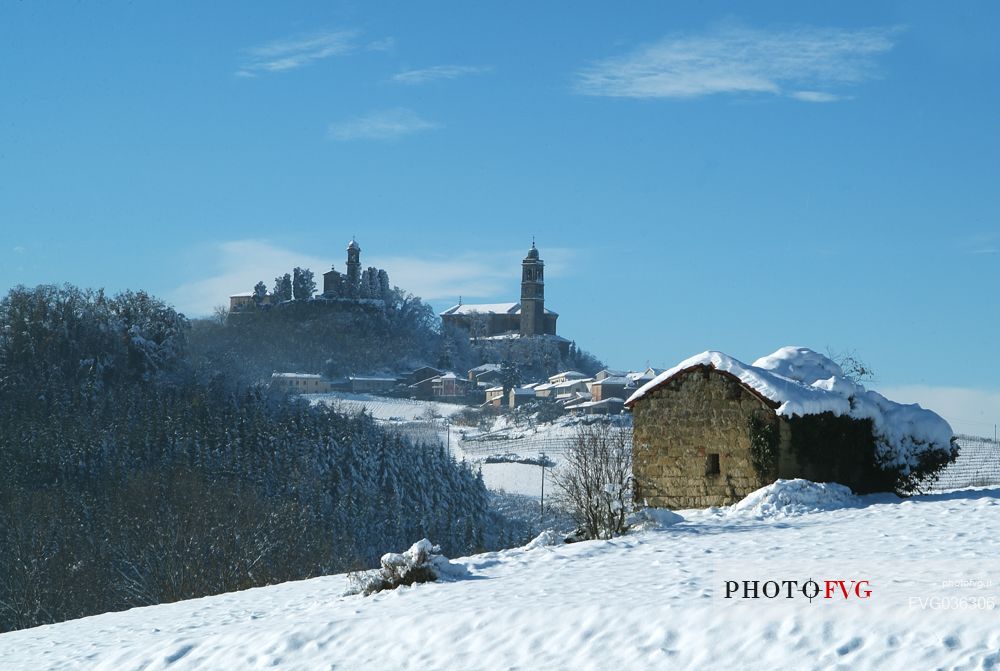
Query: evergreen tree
[(282, 288), (259, 293), (385, 289), (303, 284), (370, 284), (510, 376)]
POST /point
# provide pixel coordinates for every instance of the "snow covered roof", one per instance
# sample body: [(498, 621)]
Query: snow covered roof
[(567, 375), (569, 384), (595, 404), (799, 381), (448, 376), (613, 379), (483, 308), (488, 309), (244, 294), (523, 391), (296, 376), (483, 368)]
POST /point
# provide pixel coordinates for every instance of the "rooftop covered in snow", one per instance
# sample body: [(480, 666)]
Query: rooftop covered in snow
[(797, 381), (487, 309)]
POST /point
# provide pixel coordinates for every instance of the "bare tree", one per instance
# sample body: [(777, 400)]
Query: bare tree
[(594, 482), (220, 313)]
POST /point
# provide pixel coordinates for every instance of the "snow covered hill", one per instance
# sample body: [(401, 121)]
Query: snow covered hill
[(654, 599)]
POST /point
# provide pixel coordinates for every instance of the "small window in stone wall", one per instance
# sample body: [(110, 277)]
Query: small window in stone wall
[(712, 464)]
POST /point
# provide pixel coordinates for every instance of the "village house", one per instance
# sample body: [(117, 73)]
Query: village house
[(567, 389), (486, 375), (518, 396), (300, 383), (617, 386), (419, 375), (450, 385), (240, 301), (494, 396), (712, 429)]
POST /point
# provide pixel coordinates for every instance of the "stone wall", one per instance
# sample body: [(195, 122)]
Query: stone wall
[(698, 413)]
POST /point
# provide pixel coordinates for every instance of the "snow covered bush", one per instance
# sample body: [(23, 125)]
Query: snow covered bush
[(594, 481), (416, 565)]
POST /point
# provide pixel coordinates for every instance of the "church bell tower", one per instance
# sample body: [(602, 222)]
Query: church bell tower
[(353, 268), (532, 294)]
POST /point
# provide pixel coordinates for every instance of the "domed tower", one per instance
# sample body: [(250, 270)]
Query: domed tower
[(353, 268), (532, 294)]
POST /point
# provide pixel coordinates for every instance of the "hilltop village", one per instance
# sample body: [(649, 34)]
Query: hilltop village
[(494, 329)]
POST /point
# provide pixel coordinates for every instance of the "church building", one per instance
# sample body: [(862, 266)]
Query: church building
[(504, 320)]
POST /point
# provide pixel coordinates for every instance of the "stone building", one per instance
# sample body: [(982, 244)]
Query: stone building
[(497, 320), (712, 429), (346, 286)]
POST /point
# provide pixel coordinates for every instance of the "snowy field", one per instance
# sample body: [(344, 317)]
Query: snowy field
[(513, 478), (651, 600), (384, 408)]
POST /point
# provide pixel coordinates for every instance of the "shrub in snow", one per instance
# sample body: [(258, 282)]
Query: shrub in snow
[(421, 563), (594, 481)]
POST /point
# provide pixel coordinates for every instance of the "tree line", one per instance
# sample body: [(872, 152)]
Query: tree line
[(136, 469)]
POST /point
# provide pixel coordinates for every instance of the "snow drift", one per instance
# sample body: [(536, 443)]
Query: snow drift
[(789, 498)]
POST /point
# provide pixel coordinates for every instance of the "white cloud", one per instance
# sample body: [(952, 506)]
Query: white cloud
[(384, 44), (295, 52), (468, 274), (814, 96), (969, 411), (424, 75), (382, 125), (736, 59), (239, 264), (983, 243)]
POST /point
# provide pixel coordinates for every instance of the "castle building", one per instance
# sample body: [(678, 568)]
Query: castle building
[(527, 318)]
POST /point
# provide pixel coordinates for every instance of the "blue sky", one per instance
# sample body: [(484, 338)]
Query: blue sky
[(698, 176)]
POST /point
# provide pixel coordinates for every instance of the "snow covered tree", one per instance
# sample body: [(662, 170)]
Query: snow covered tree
[(303, 284), (510, 376), (594, 482)]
